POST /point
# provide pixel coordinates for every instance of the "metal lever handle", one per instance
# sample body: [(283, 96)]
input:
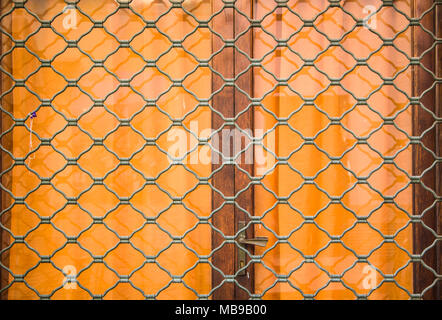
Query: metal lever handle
[(242, 252), (258, 241)]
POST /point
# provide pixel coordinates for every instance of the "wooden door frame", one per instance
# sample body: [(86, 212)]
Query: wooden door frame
[(230, 180), (422, 159), (243, 189), (223, 214)]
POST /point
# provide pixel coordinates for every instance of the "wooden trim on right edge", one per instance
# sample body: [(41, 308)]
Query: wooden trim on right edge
[(438, 28), (423, 200), (3, 283)]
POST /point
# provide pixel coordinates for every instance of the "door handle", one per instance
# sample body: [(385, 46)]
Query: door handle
[(241, 253), (258, 241)]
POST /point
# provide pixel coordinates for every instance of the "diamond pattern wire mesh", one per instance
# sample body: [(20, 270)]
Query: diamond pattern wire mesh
[(91, 91)]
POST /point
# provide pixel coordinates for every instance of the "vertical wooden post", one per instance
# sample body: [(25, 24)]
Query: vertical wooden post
[(244, 111), (438, 29), (223, 180), (2, 282), (422, 159)]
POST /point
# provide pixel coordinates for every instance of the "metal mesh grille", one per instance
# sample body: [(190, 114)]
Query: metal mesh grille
[(95, 96)]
